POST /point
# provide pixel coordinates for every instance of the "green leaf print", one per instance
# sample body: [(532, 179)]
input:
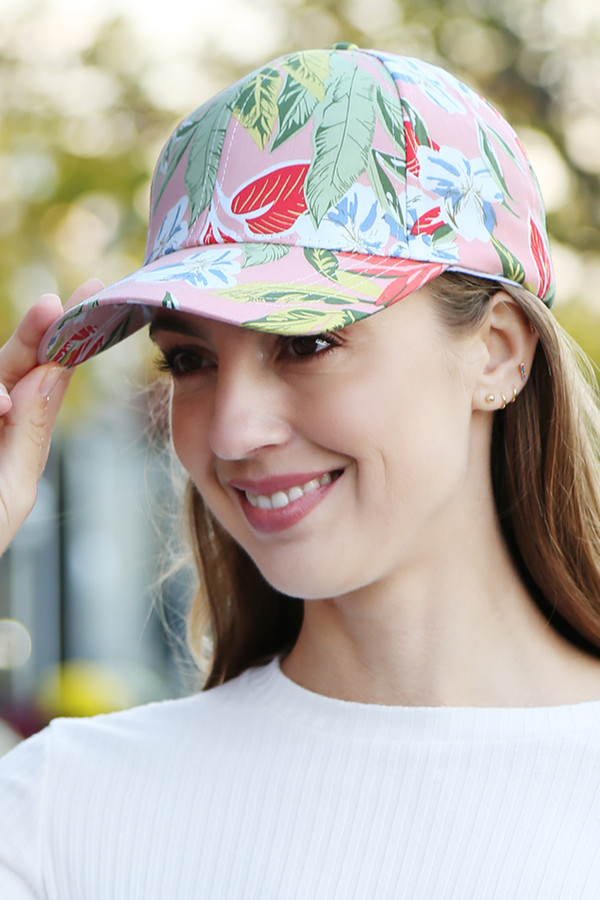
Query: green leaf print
[(255, 254), (384, 188), (511, 267), (305, 321), (417, 123), (395, 164), (76, 311), (256, 107), (172, 155), (311, 70), (119, 332), (509, 152), (345, 124), (283, 293), (488, 153), (296, 105), (169, 301), (203, 158), (391, 117), (324, 261), (441, 235)]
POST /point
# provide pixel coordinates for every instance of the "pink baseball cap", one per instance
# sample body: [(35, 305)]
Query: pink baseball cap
[(318, 190)]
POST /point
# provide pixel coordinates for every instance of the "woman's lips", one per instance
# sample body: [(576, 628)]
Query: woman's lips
[(278, 502)]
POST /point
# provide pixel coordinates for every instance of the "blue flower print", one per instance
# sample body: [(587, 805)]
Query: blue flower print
[(172, 232), (356, 223), (211, 268), (430, 80), (466, 188)]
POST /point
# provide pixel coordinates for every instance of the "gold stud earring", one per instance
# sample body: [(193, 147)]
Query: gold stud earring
[(490, 398)]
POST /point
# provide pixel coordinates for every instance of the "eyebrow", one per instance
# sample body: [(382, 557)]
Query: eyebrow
[(175, 325)]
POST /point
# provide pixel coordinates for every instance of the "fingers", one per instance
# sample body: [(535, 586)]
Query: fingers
[(19, 354), (25, 433), (30, 397), (85, 290)]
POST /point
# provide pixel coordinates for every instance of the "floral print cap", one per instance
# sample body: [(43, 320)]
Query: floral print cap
[(316, 191)]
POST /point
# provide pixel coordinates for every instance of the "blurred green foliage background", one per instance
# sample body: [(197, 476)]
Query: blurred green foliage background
[(91, 91)]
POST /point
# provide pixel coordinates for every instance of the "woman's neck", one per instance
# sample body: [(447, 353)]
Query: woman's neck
[(473, 637)]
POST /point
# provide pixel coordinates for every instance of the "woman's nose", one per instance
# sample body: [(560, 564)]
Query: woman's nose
[(248, 414)]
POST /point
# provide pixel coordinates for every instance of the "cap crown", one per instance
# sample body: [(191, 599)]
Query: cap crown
[(354, 151)]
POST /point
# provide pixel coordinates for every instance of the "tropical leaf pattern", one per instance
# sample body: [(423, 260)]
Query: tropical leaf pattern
[(317, 189), (383, 187), (311, 70), (256, 107), (305, 321), (324, 261), (259, 254), (391, 116), (203, 159), (272, 202), (488, 154), (542, 260), (511, 267), (296, 104), (201, 121), (284, 294), (344, 126)]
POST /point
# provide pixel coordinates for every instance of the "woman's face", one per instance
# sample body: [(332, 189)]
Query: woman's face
[(337, 460)]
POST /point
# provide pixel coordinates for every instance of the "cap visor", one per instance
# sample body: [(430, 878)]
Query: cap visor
[(272, 288)]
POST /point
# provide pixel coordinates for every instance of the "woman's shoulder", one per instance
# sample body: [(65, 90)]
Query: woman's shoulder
[(168, 725)]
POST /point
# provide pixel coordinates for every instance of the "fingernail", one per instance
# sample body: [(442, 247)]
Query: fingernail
[(3, 391), (50, 381)]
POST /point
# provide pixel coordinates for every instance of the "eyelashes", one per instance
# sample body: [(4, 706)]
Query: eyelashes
[(308, 346), (181, 360)]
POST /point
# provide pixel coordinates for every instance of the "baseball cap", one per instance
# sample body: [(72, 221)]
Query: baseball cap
[(318, 190)]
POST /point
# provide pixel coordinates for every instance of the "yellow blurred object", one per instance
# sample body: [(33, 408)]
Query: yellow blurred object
[(84, 688)]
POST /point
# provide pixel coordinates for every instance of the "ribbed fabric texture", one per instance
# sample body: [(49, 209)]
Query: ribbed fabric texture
[(261, 790)]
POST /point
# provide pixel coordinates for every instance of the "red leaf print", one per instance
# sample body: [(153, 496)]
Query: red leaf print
[(428, 222), (413, 276), (279, 195), (542, 260), (80, 346), (412, 145), (222, 238)]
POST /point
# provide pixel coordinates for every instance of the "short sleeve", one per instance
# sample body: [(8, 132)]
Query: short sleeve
[(22, 799)]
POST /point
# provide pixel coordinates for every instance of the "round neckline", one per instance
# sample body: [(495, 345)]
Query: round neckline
[(292, 702)]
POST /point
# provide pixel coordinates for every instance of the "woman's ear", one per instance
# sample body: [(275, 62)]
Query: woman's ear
[(510, 345)]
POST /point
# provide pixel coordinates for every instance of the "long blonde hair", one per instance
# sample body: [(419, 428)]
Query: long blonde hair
[(545, 466)]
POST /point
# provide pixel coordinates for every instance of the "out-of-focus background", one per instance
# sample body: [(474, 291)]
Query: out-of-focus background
[(90, 91)]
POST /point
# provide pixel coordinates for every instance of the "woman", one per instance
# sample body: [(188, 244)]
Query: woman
[(425, 721)]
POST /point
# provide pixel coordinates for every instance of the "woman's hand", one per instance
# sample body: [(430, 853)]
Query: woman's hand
[(30, 397)]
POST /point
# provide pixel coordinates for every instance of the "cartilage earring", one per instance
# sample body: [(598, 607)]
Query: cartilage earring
[(523, 372), (490, 398), (504, 401)]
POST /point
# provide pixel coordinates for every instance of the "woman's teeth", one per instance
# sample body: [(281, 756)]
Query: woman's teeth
[(281, 498)]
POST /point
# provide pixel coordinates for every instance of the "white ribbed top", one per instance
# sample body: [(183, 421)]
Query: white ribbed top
[(262, 790)]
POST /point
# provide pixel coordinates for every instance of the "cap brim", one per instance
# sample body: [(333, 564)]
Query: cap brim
[(272, 288)]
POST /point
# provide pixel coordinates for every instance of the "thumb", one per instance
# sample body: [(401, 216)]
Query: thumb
[(25, 438)]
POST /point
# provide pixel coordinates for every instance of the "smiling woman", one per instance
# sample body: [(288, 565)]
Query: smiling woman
[(394, 509)]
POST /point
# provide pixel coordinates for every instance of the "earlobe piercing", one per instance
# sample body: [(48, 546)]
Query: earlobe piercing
[(504, 401), (523, 372), (490, 398), (514, 396)]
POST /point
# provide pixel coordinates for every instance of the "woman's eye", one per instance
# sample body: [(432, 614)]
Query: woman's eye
[(310, 345), (179, 361)]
